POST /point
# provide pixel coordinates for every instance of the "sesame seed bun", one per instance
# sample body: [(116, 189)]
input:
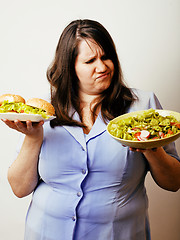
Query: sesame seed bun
[(11, 98), (40, 103)]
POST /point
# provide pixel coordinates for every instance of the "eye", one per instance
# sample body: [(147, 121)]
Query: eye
[(90, 61)]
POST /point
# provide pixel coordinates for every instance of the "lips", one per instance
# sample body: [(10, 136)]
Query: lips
[(104, 75)]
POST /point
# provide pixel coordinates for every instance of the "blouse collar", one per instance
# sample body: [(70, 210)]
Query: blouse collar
[(77, 132)]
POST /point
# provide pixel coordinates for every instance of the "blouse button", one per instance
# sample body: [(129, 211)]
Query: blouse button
[(73, 218), (83, 171), (79, 194)]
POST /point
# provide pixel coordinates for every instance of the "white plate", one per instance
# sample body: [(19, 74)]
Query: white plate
[(24, 117)]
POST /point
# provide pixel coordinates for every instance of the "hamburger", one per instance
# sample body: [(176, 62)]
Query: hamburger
[(10, 103)]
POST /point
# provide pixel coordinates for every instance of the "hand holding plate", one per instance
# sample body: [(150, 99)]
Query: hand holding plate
[(28, 128)]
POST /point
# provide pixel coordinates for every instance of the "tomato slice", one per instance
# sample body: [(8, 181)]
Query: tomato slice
[(137, 134), (170, 132), (177, 125)]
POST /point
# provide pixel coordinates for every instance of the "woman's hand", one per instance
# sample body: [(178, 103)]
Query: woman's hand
[(141, 150), (28, 128)]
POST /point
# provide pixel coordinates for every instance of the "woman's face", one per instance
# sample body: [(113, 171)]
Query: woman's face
[(93, 69)]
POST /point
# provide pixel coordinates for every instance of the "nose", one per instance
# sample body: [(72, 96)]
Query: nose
[(101, 66)]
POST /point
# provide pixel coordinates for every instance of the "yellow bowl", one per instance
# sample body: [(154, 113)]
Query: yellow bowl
[(148, 143)]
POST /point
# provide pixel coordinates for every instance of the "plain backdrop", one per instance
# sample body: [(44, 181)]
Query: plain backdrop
[(147, 37)]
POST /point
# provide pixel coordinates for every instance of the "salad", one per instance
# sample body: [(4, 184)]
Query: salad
[(147, 126)]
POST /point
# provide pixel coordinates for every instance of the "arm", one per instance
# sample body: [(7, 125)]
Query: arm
[(164, 169), (23, 173)]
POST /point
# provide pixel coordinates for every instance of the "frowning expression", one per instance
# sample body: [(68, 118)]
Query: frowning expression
[(93, 69)]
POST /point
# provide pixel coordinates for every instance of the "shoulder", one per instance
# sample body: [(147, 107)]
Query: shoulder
[(142, 94), (145, 100), (49, 132)]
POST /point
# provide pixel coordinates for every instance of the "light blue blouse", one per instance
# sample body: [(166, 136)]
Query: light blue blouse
[(92, 187)]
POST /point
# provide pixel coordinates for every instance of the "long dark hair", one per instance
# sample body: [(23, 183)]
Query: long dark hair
[(62, 77)]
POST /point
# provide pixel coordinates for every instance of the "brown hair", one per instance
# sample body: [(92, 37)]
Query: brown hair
[(62, 77)]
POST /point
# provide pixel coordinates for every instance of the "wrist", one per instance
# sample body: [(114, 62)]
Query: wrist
[(155, 156), (33, 140), (153, 151)]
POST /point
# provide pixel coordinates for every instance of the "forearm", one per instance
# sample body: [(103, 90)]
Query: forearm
[(23, 173), (164, 169)]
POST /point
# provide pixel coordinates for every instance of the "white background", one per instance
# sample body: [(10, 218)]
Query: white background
[(147, 36)]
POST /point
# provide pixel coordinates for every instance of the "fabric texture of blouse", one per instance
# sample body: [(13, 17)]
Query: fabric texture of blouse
[(91, 188)]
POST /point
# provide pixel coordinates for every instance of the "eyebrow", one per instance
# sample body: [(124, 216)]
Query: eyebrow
[(91, 57)]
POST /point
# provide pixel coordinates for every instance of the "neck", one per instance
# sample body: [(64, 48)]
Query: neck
[(87, 103), (86, 99)]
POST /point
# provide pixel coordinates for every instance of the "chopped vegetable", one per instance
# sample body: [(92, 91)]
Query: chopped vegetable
[(21, 108), (147, 126)]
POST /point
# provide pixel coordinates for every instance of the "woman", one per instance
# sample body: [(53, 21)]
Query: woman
[(85, 184)]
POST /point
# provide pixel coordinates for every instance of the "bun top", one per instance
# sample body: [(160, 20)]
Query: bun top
[(40, 103), (11, 98)]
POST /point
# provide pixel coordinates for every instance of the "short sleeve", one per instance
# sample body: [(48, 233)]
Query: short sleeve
[(171, 150), (144, 101)]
